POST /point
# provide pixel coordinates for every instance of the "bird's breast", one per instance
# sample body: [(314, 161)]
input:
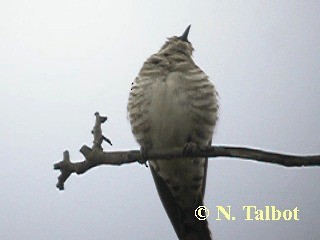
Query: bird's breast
[(170, 120)]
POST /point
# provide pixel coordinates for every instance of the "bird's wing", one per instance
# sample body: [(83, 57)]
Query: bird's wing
[(205, 173), (168, 201)]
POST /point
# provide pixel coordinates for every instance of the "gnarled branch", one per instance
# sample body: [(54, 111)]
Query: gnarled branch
[(95, 156)]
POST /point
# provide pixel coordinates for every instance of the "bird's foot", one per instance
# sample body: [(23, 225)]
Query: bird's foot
[(143, 152), (189, 148)]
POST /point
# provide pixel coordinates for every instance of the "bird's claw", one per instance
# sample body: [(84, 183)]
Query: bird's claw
[(143, 152), (189, 147)]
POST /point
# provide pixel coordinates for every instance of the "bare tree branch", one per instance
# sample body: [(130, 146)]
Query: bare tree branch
[(96, 156)]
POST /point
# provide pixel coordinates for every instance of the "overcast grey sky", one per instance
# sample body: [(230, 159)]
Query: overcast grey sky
[(60, 61)]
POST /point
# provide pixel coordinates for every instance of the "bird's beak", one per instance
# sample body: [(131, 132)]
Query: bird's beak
[(184, 36)]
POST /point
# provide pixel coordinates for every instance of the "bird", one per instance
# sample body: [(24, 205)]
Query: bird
[(172, 103)]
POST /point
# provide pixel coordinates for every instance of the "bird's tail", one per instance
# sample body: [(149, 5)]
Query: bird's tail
[(184, 221), (192, 228)]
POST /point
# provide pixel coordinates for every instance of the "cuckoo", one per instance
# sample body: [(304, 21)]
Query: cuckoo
[(172, 103)]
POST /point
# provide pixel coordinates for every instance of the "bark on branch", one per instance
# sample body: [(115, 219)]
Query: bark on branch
[(95, 156)]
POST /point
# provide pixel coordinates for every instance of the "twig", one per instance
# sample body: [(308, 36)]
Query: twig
[(96, 156)]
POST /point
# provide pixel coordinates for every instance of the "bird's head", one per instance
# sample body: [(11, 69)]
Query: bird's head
[(178, 45)]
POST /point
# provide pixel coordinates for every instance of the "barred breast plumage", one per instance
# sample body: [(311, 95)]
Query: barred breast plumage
[(172, 102)]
